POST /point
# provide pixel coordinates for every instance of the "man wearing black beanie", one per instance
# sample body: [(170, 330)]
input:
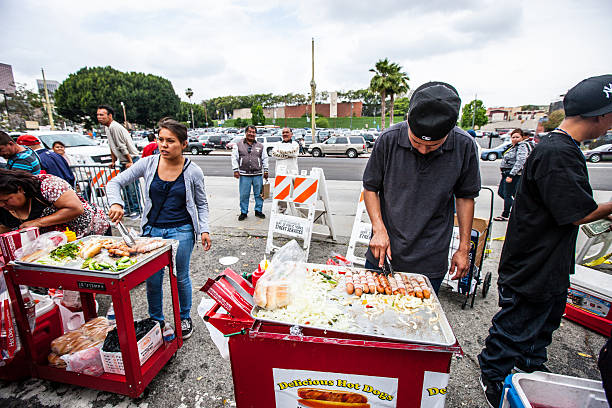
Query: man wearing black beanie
[(538, 257)]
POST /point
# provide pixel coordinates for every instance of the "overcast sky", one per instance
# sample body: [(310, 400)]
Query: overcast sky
[(508, 52)]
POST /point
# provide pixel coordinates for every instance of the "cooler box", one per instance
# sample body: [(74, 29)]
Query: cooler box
[(589, 299), (48, 327), (546, 390)]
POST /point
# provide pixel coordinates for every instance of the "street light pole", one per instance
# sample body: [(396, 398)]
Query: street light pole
[(124, 115), (313, 88), (351, 115)]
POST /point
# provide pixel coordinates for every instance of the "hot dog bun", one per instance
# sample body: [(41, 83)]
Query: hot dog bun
[(331, 395), (309, 403)]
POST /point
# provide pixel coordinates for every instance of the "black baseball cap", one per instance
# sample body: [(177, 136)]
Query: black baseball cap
[(591, 97), (434, 109)]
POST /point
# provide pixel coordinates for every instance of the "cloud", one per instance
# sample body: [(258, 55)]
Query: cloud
[(509, 52)]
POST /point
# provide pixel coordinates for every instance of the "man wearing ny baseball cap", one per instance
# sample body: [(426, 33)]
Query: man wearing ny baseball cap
[(418, 172), (538, 257)]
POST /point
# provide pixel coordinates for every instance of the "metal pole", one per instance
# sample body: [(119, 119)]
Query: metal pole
[(313, 88), (351, 115), (49, 111), (124, 115)]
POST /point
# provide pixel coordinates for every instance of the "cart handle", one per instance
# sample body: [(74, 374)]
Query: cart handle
[(243, 331)]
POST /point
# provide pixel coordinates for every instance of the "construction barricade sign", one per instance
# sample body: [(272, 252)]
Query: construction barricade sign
[(294, 207), (361, 233)]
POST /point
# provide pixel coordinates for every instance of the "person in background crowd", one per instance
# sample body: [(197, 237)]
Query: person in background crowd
[(416, 169), (47, 202), (511, 168), (175, 208), (151, 148), (122, 148), (538, 256), (60, 148), (51, 162), (286, 152), (249, 161), (18, 157)]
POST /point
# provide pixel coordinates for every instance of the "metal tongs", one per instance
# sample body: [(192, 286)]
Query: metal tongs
[(387, 269), (125, 234)]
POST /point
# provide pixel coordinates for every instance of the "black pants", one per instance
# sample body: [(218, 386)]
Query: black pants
[(520, 332), (507, 191)]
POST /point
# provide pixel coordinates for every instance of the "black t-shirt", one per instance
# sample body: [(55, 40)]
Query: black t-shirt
[(539, 250), (416, 194), (7, 219)]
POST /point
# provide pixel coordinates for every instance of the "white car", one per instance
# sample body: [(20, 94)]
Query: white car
[(269, 142), (80, 149)]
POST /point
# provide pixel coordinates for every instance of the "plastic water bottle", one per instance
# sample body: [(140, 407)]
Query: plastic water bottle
[(110, 315)]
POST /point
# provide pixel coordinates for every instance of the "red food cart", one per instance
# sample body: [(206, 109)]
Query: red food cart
[(87, 282), (281, 365)]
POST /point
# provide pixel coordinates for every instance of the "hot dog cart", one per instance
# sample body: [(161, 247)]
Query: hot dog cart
[(277, 364), (117, 284)]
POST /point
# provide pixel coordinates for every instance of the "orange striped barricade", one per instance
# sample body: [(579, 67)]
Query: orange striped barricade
[(361, 233), (301, 193), (98, 183)]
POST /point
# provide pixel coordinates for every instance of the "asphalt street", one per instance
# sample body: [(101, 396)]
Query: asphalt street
[(342, 168)]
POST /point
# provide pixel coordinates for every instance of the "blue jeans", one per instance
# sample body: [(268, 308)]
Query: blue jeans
[(185, 236), (519, 333), (245, 192), (435, 283), (507, 191)]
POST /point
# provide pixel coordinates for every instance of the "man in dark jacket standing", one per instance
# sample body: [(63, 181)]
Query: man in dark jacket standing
[(249, 162), (50, 162), (538, 257)]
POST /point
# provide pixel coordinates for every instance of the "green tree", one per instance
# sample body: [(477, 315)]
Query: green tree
[(382, 83), (554, 119), (322, 122), (147, 97), (258, 115), (399, 86), (184, 113), (467, 117), (401, 106)]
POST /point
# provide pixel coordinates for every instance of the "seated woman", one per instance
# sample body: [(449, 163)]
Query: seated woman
[(47, 202), (175, 208)]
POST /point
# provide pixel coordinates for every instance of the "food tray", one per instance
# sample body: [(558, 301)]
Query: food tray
[(423, 334), (141, 259)]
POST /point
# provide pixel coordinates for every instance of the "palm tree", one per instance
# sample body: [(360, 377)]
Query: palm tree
[(189, 93), (381, 83), (399, 81)]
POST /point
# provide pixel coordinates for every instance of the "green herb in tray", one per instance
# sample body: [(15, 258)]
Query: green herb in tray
[(70, 250)]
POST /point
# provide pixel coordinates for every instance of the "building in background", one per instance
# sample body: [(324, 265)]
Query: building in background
[(343, 110), (51, 87), (7, 81)]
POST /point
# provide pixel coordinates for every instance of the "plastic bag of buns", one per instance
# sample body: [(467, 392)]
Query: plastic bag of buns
[(90, 335), (283, 278)]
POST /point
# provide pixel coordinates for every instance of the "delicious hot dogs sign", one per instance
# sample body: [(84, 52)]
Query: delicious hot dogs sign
[(314, 389)]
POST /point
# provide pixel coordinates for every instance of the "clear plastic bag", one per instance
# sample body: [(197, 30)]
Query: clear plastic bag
[(41, 246), (283, 278), (86, 361)]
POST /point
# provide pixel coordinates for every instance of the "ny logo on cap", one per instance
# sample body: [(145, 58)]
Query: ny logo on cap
[(425, 137), (607, 90)]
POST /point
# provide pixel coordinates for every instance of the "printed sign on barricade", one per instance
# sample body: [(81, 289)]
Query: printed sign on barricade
[(361, 233), (299, 195)]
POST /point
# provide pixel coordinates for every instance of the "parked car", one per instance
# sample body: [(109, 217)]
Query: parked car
[(369, 138), (218, 141), (79, 148), (603, 152), (232, 143), (495, 153), (200, 146), (269, 142), (352, 146), (603, 140)]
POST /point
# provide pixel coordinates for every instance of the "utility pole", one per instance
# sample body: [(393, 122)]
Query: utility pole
[(474, 111), (313, 88), (49, 108), (125, 122), (205, 113), (351, 115)]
